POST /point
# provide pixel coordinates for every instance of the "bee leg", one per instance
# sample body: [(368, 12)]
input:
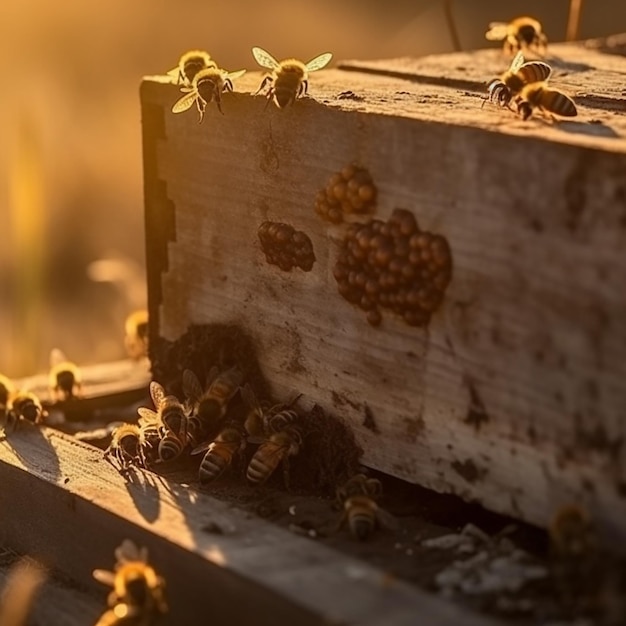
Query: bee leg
[(264, 82), (201, 107), (218, 101), (304, 88), (228, 85)]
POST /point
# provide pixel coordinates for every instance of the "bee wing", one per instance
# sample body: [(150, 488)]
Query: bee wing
[(157, 392), (517, 62), (203, 447), (386, 519), (57, 357), (147, 416), (373, 487), (235, 75), (264, 58), (104, 576), (173, 72), (497, 31), (319, 62), (191, 385), (212, 375), (184, 103)]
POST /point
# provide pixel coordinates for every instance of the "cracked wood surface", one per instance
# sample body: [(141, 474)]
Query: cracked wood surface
[(514, 395)]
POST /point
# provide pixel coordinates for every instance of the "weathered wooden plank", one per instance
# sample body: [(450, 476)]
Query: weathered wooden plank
[(513, 395), (79, 509)]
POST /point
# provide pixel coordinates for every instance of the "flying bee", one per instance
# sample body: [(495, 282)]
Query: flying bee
[(190, 64), (502, 90), (64, 379), (171, 415), (360, 511), (540, 96), (522, 33), (138, 595), (208, 408), (25, 405), (289, 79), (220, 453), (276, 419), (136, 334), (130, 445), (208, 85)]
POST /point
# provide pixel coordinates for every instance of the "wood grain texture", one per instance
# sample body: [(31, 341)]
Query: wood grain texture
[(79, 509), (514, 395)]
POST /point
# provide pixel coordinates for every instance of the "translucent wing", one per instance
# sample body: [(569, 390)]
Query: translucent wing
[(191, 385), (319, 62), (497, 31), (517, 62), (184, 103), (148, 416), (157, 393), (212, 375), (235, 75), (57, 357), (104, 576), (265, 59), (202, 447), (174, 72)]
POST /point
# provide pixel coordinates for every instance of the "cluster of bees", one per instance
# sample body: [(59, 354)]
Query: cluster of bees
[(394, 265), (204, 82), (286, 247), (350, 191), (201, 425), (64, 378), (524, 87)]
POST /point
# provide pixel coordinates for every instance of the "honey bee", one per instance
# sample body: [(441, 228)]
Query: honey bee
[(25, 405), (64, 379), (190, 64), (130, 445), (502, 90), (259, 422), (220, 453), (360, 510), (138, 595), (540, 96), (208, 408), (171, 416), (208, 85), (274, 450), (22, 584), (136, 337), (289, 79), (522, 33)]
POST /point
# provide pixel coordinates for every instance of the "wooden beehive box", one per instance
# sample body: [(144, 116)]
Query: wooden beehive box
[(514, 394)]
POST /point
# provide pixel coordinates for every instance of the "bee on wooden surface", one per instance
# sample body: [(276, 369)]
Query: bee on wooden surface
[(208, 408), (138, 595), (274, 450), (130, 445), (220, 453), (289, 79), (190, 64), (208, 85), (502, 90), (136, 334), (522, 33), (25, 405), (273, 420), (360, 511), (64, 379), (548, 101), (172, 416)]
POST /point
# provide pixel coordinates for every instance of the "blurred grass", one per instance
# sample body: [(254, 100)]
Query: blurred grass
[(71, 73)]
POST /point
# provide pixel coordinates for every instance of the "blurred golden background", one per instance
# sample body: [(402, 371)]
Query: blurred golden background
[(70, 156)]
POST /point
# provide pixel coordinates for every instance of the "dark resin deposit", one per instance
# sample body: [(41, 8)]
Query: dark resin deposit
[(393, 265)]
